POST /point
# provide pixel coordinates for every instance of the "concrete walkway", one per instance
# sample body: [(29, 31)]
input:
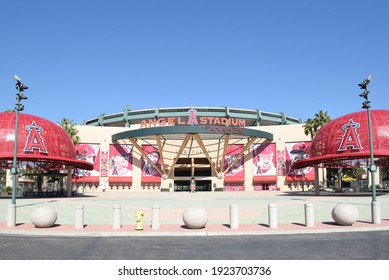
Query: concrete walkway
[(252, 213)]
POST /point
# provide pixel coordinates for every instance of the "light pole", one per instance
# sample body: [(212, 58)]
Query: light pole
[(372, 167), (18, 107)]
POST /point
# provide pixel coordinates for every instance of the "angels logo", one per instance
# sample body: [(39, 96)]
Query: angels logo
[(34, 139), (350, 137), (192, 120)]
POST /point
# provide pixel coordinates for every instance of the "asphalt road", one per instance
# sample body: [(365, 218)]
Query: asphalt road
[(326, 246)]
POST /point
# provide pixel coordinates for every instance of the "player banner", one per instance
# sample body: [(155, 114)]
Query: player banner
[(91, 154), (296, 151), (237, 169), (120, 158), (264, 160), (234, 177), (149, 172)]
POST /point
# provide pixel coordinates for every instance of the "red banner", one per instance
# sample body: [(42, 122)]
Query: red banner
[(120, 159), (236, 171), (281, 163), (296, 151), (91, 154), (264, 160), (149, 173), (104, 164)]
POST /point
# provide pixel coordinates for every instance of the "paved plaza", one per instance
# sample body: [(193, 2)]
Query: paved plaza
[(252, 213)]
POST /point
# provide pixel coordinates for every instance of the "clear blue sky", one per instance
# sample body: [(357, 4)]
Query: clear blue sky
[(83, 58)]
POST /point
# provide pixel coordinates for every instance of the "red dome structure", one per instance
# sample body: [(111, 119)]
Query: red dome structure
[(40, 141), (345, 139)]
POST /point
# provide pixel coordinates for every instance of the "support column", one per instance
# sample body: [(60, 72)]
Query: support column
[(69, 182), (317, 182)]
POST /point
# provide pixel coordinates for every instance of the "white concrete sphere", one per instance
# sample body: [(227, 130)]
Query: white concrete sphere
[(345, 214), (195, 217), (44, 216)]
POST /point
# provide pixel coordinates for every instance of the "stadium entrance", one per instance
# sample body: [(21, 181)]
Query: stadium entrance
[(192, 174), (185, 186)]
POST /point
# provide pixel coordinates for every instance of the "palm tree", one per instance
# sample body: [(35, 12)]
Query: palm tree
[(311, 127), (321, 119), (70, 129)]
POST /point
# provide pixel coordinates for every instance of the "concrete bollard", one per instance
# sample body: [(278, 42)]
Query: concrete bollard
[(273, 216), (79, 224), (116, 217), (375, 212), (309, 217), (234, 216), (11, 215), (155, 217)]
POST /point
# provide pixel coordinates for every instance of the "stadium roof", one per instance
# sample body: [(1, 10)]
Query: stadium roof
[(252, 117)]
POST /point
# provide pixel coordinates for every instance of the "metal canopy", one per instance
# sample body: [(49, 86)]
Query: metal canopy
[(179, 132), (193, 136)]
